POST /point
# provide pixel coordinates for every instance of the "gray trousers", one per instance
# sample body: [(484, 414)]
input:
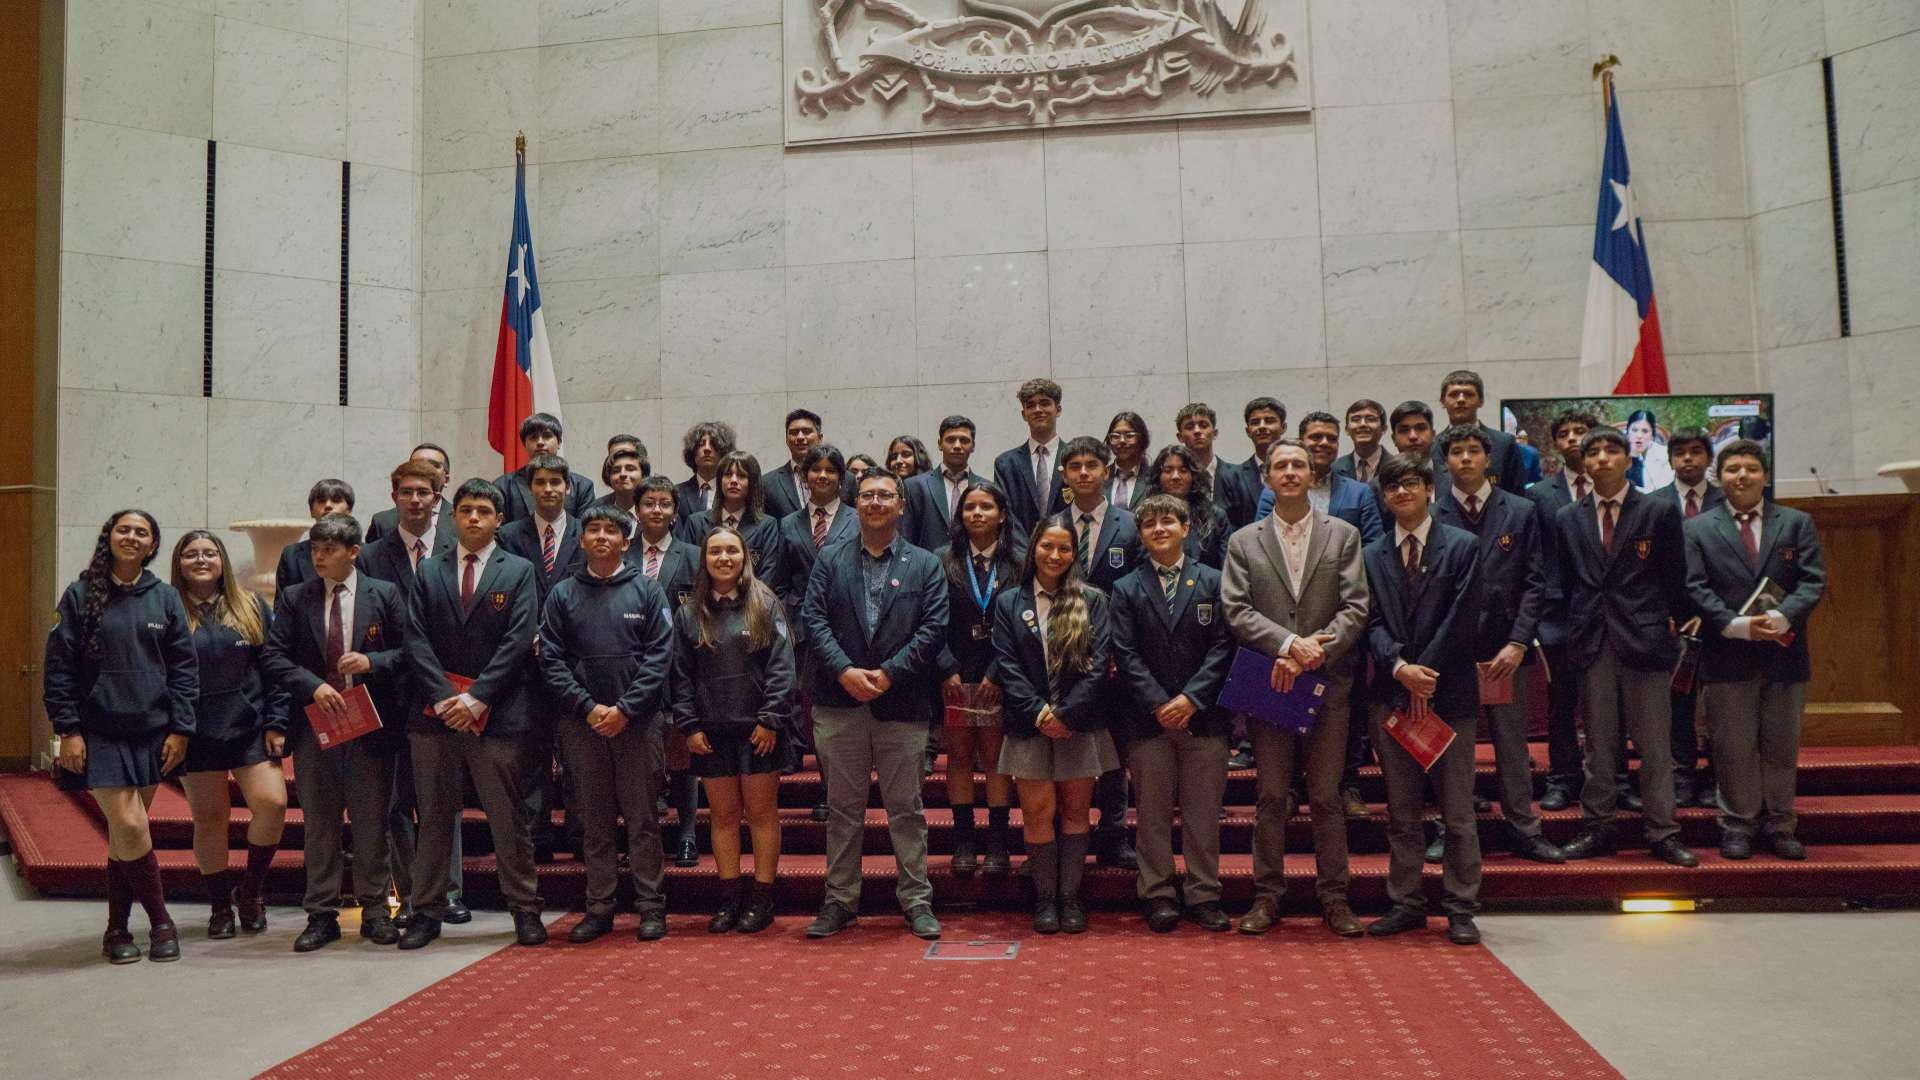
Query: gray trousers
[(855, 747), (496, 765), (1192, 770), (1452, 778), (351, 780), (401, 832), (1756, 752), (1617, 699), (1513, 761), (1326, 749), (620, 774)]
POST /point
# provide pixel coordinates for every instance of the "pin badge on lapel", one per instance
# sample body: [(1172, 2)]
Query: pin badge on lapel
[(1643, 548), (1506, 542), (373, 633)]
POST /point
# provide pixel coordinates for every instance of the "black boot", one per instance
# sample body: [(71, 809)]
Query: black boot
[(1043, 866), (221, 923), (999, 860), (965, 860), (759, 913), (1073, 863)]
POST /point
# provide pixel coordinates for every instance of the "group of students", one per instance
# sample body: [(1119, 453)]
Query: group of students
[(1066, 625)]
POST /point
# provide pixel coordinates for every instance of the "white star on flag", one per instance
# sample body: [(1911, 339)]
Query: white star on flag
[(1626, 218), (520, 271)]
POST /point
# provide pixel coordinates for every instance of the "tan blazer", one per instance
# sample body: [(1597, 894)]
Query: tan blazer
[(1261, 608)]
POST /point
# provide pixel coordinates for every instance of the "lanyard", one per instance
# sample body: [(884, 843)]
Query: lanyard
[(982, 597)]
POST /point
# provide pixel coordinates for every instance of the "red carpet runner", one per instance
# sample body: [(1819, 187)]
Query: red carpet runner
[(1117, 1002)]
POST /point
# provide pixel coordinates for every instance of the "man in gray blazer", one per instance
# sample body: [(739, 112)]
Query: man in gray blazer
[(1295, 589)]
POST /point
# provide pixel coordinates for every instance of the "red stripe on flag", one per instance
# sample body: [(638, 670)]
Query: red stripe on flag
[(1647, 372), (511, 400)]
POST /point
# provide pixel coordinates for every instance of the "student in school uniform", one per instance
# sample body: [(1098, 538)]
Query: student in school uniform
[(1173, 652), (907, 457), (1051, 653), (433, 456), (732, 696), (1366, 426), (786, 486), (1128, 478), (1755, 667), (670, 564), (296, 561), (826, 520), (120, 683), (1265, 419), (1173, 474), (982, 559), (1623, 564), (1462, 395), (1690, 452), (1421, 625), (606, 642), (876, 614), (1196, 426), (340, 628), (1410, 426), (539, 434), (1511, 597), (474, 615), (240, 730), (704, 444), (1030, 473), (933, 497), (622, 472), (1566, 485), (858, 465), (741, 505)]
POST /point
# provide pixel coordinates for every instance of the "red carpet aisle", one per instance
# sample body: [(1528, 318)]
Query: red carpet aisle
[(1118, 1002)]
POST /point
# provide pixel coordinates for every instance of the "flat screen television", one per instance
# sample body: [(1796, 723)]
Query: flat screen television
[(1648, 423)]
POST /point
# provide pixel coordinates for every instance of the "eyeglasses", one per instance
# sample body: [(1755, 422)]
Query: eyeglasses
[(1123, 436), (876, 497), (1412, 485), (199, 556)]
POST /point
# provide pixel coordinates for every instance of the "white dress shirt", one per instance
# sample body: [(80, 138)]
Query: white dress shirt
[(352, 584), (1090, 540), (418, 547), (1483, 493), (1294, 539)]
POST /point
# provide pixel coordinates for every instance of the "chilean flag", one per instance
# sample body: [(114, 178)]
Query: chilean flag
[(523, 381), (1620, 350)]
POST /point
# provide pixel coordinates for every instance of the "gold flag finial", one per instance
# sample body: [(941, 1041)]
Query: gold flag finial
[(520, 143), (1605, 64)]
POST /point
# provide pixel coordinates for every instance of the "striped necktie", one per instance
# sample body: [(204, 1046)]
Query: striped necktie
[(1170, 584), (549, 550)]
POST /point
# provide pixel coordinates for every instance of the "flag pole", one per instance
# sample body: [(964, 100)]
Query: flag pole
[(1603, 74), (520, 145)]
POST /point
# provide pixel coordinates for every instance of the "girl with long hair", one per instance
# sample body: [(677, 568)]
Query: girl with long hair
[(1051, 655), (982, 561), (733, 683), (120, 685), (907, 457), (1173, 473), (240, 728), (739, 502)]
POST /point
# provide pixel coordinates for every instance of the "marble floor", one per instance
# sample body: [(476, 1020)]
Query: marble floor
[(1663, 997)]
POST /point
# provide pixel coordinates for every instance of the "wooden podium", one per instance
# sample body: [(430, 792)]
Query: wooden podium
[(1865, 635)]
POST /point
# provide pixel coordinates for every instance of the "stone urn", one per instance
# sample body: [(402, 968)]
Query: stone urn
[(270, 537)]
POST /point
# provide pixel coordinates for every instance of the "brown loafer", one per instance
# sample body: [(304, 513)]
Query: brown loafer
[(1339, 919), (1260, 918)]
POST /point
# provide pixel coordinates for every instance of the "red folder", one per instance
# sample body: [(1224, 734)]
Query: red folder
[(1420, 732), (1495, 691), (361, 717), (460, 686)]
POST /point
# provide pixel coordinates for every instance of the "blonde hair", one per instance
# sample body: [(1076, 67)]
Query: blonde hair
[(1069, 625), (758, 601), (234, 606)]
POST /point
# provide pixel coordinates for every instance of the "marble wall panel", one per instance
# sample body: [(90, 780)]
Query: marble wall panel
[(458, 331), (1086, 208), (279, 89), (1883, 378), (1301, 390), (376, 440), (1117, 312), (1094, 401), (721, 88), (1853, 23), (849, 204), (383, 241), (1875, 91), (680, 16), (473, 105), (277, 213), (566, 21), (1786, 133), (1526, 291), (758, 419), (981, 318), (1559, 138), (1686, 152), (591, 423), (993, 408), (1254, 304), (1795, 292), (1701, 273), (322, 18), (1773, 35), (1883, 257), (722, 210), (1713, 373), (1668, 43), (453, 27), (722, 331), (863, 420), (119, 450), (598, 219), (851, 325), (134, 194), (276, 338), (382, 98), (599, 99), (1380, 52), (1387, 168), (466, 219), (1394, 299), (385, 24), (464, 434), (140, 65), (1390, 384), (130, 325), (1814, 399), (979, 194), (606, 337), (383, 348), (1252, 178), (1501, 48)]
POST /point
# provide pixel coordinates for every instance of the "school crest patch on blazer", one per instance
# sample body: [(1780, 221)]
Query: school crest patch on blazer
[(1643, 548), (1786, 552), (373, 633), (1116, 557), (499, 600), (1203, 614), (1505, 542)]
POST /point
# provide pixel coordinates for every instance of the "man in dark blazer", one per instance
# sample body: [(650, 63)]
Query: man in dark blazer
[(1173, 652), (702, 448), (1366, 426), (1462, 395), (1564, 486), (1755, 665), (1623, 563), (822, 523), (335, 629), (785, 488), (1512, 595), (876, 618), (934, 495), (1197, 427), (1343, 497), (1294, 588), (671, 564), (1690, 453), (539, 434), (1266, 421), (296, 560), (431, 455), (416, 532), (1030, 473), (1420, 630), (475, 614)]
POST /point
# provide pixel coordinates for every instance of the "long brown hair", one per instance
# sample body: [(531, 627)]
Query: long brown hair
[(1069, 625), (758, 602), (98, 578), (234, 606)]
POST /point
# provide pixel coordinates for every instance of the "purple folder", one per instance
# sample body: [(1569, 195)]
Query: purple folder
[(1250, 690)]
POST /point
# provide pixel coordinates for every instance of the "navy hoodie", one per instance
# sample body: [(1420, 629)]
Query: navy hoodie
[(146, 677), (607, 641)]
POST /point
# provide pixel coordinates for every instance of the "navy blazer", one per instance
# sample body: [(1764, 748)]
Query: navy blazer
[(1013, 471), (236, 697), (797, 554), (1162, 651), (516, 488), (1020, 667), (905, 643), (1719, 580), (1548, 495), (1119, 548), (686, 497), (1513, 576), (925, 522), (1237, 492), (295, 655), (1353, 502), (1207, 540), (778, 493), (1432, 625), (1625, 598), (965, 655), (763, 542), (386, 521), (1714, 497), (1506, 469), (492, 643), (678, 566), (387, 558), (522, 538), (295, 566)]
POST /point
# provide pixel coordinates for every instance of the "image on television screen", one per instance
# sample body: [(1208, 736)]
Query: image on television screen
[(1648, 422)]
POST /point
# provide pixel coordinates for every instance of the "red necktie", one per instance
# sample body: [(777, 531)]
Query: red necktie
[(1750, 532), (1579, 488), (1473, 507), (336, 640), (1607, 510), (466, 584), (652, 569), (819, 527), (1412, 544), (1693, 504), (419, 552), (1360, 471), (548, 550)]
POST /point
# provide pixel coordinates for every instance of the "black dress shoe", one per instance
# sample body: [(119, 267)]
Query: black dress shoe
[(1785, 845), (1461, 931), (653, 926), (1708, 796), (322, 927), (528, 929), (1590, 844), (1482, 806), (380, 930), (118, 947), (163, 943), (1241, 758), (1671, 850), (832, 919), (1436, 848), (252, 913), (1073, 915), (1683, 794), (591, 927), (1556, 798), (424, 929), (1161, 915), (922, 924), (1736, 846), (404, 917), (1046, 917), (759, 910), (820, 812), (998, 863), (1398, 921), (1539, 849), (457, 914), (1208, 916), (221, 924), (1630, 800), (965, 858), (688, 853)]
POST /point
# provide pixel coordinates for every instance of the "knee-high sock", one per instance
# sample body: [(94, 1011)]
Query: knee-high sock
[(683, 791), (259, 861), (119, 895), (1073, 861), (1044, 862), (219, 887), (999, 831), (963, 821), (144, 873)]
